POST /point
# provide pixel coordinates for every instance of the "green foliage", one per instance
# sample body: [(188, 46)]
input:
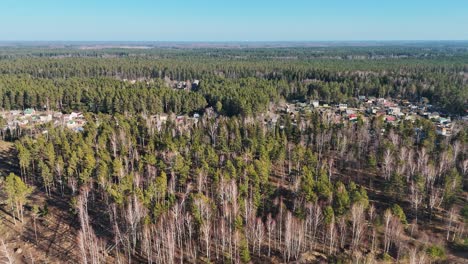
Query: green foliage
[(460, 244), (182, 169), (398, 212), (308, 185), (387, 258), (358, 194), (341, 199), (45, 210), (324, 187), (219, 106), (329, 214), (17, 193), (396, 185), (244, 250), (233, 175), (453, 186), (464, 212), (436, 252), (372, 161)]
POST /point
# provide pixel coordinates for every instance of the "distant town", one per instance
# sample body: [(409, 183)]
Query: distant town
[(30, 118), (392, 111)]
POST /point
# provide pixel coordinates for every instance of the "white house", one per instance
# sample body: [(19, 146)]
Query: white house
[(343, 107), (315, 103)]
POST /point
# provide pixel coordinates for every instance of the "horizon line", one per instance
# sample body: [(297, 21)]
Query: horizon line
[(249, 41)]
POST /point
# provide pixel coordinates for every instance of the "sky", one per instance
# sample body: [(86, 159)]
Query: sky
[(232, 20)]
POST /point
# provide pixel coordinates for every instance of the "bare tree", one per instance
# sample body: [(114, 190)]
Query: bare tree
[(331, 236), (342, 226), (212, 125), (358, 224), (90, 246), (259, 233), (387, 164), (436, 196), (450, 221), (416, 197), (423, 158), (287, 236), (416, 256), (387, 231), (372, 216), (7, 254), (464, 167), (270, 224)]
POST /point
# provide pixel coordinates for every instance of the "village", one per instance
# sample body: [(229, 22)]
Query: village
[(393, 111), (30, 118)]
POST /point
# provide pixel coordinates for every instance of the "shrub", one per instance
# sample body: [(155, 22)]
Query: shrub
[(436, 252)]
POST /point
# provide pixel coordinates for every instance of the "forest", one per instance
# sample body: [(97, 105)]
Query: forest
[(231, 187)]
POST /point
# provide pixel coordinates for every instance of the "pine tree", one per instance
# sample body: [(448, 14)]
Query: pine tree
[(17, 194)]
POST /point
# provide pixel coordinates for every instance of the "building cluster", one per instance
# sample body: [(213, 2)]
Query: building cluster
[(393, 111), (30, 118), (186, 85), (181, 121)]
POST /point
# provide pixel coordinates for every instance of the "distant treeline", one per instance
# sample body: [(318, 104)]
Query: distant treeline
[(243, 80)]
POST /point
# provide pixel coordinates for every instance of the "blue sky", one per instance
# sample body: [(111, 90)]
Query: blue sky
[(233, 20)]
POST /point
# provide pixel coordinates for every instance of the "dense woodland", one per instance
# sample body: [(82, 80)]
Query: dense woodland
[(65, 80), (230, 188)]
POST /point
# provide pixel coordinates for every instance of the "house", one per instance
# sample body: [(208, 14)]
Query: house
[(444, 120), (352, 117), (15, 112), (163, 118), (74, 115), (371, 110), (180, 118), (342, 107), (394, 110), (370, 100), (390, 119), (71, 124), (434, 115), (410, 117), (45, 118), (381, 101), (315, 103), (441, 131), (362, 97), (181, 85), (413, 107), (29, 111)]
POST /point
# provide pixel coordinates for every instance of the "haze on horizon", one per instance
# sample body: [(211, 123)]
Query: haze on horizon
[(209, 20)]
